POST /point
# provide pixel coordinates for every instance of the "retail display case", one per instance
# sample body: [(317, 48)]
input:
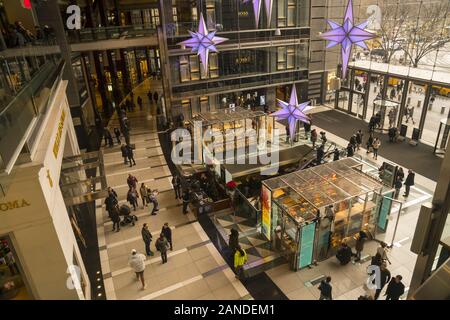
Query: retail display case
[(313, 211)]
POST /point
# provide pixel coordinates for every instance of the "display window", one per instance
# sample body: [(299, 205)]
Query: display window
[(12, 285)]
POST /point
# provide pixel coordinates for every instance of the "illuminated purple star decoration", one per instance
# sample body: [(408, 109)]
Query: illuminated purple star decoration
[(203, 42), (346, 35), (293, 111), (257, 9)]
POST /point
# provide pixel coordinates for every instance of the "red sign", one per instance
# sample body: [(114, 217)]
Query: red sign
[(26, 4)]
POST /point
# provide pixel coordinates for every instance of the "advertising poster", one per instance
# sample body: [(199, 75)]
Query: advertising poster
[(306, 245), (266, 203)]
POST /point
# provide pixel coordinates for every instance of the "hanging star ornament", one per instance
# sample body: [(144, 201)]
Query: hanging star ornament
[(203, 42), (346, 35), (257, 9), (293, 111)]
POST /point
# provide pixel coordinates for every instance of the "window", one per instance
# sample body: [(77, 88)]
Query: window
[(281, 13), (210, 13), (204, 104), (291, 13), (191, 69), (154, 17), (285, 58)]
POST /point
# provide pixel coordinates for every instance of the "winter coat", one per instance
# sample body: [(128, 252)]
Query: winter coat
[(143, 191), (395, 289), (114, 215), (146, 235), (239, 260), (137, 262), (326, 289), (162, 245), (167, 232), (132, 181), (124, 151), (359, 245), (410, 179)]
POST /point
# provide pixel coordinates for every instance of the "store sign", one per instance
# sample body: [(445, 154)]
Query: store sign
[(26, 4), (306, 245), (11, 205), (59, 134), (266, 199)]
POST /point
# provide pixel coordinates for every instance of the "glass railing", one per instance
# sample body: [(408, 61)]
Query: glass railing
[(246, 208), (107, 33), (27, 106)]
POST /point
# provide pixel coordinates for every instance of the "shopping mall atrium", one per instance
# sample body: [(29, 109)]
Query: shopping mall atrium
[(224, 150)]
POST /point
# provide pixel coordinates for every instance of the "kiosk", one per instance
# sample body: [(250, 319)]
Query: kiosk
[(311, 212)]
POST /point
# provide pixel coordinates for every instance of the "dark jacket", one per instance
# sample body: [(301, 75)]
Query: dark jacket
[(410, 179), (398, 184), (350, 151), (394, 289), (146, 235), (114, 215), (376, 261), (233, 241), (124, 151), (117, 133), (129, 151), (344, 255), (162, 245), (359, 245), (110, 202), (325, 289), (385, 276), (167, 232)]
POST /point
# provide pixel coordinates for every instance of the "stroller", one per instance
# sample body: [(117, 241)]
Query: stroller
[(128, 218)]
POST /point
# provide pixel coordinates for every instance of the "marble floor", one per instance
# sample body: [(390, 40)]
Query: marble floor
[(195, 269)]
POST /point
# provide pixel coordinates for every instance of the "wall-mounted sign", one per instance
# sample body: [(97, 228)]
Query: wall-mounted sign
[(59, 134), (11, 205)]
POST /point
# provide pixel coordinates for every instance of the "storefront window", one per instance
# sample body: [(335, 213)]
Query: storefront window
[(12, 286), (375, 89), (437, 110), (343, 100), (413, 107)]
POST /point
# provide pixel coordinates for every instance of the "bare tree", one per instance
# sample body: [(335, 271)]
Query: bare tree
[(391, 32), (427, 33)]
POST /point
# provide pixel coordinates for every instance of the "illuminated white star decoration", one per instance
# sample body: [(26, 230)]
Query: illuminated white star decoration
[(293, 111), (203, 42), (346, 35), (257, 9)]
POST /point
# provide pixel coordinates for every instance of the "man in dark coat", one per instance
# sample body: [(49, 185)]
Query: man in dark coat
[(114, 214), (385, 276), (176, 182), (326, 289), (167, 232), (117, 134), (147, 237), (130, 155), (395, 288), (124, 150), (344, 254), (185, 201), (409, 182), (139, 102)]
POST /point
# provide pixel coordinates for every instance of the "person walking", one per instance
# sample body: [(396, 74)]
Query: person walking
[(336, 154), (149, 96), (353, 141), (395, 288), (369, 143), (147, 237), (376, 145), (313, 137), (137, 263), (132, 197), (139, 102), (350, 150), (130, 155), (240, 259), (409, 182), (144, 195), (233, 241), (410, 115), (382, 251), (400, 174), (162, 245), (323, 137), (115, 218), (154, 200), (117, 134), (176, 182), (185, 201), (359, 244), (132, 181), (385, 276), (124, 150), (326, 289), (359, 139), (397, 185), (155, 97), (110, 201), (167, 232)]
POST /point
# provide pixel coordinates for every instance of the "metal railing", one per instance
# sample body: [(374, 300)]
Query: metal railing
[(107, 33)]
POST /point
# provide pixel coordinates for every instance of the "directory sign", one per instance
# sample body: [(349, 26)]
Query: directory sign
[(385, 209), (306, 245)]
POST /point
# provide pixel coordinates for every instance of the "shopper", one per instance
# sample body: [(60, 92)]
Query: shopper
[(137, 263), (353, 141), (110, 201), (185, 201), (240, 259), (385, 276), (167, 232), (162, 245), (155, 97), (350, 150), (132, 197), (153, 197), (117, 134), (130, 155), (320, 154), (144, 195), (124, 150), (233, 241), (409, 182), (314, 137), (382, 251), (376, 260), (336, 154), (376, 145), (359, 139), (147, 237), (397, 185), (149, 96), (344, 254), (369, 143), (326, 289), (359, 245), (176, 182), (410, 114), (395, 288), (400, 174), (323, 137), (108, 137), (132, 181), (115, 218), (139, 102)]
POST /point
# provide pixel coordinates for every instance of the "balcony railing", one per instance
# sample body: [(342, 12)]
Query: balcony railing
[(107, 33)]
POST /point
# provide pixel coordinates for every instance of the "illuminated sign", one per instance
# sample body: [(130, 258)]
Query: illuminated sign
[(26, 4), (11, 205), (266, 203), (59, 134)]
